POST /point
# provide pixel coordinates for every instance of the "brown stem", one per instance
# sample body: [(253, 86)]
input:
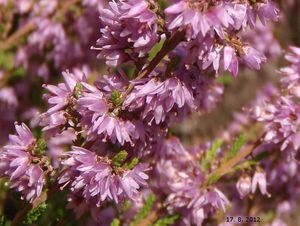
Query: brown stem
[(31, 26), (228, 166), (22, 213), (168, 46), (14, 39), (19, 217), (8, 23), (150, 219)]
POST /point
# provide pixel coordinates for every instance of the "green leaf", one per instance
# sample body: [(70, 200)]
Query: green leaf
[(76, 10), (7, 60), (163, 5), (115, 98), (144, 211), (245, 165), (170, 220), (37, 132), (236, 147), (210, 155), (115, 222), (253, 162), (18, 73), (130, 165), (126, 205), (41, 147), (268, 216), (155, 50), (225, 79), (174, 62), (35, 214), (213, 179), (261, 156), (2, 220), (119, 158), (78, 90)]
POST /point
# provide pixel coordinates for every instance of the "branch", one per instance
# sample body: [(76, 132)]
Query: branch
[(168, 46), (19, 217), (228, 166), (150, 219), (14, 39), (22, 213), (31, 26)]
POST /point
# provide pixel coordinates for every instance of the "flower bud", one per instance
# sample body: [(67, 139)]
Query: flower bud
[(244, 185), (260, 180)]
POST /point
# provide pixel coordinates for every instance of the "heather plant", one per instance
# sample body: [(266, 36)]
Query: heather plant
[(94, 90)]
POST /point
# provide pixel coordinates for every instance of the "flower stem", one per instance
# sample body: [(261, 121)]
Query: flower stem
[(14, 39), (23, 212), (228, 166), (19, 217), (150, 219), (168, 46)]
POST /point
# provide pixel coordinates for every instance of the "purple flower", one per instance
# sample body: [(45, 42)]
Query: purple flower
[(252, 58), (267, 11), (230, 60), (133, 179), (8, 97), (183, 181), (226, 55), (94, 178), (259, 180), (196, 17), (243, 186), (294, 55), (100, 120), (216, 199), (23, 141), (202, 17), (282, 173), (56, 146), (62, 94), (262, 38), (110, 83), (20, 165), (24, 6), (62, 99), (291, 74), (281, 118), (159, 98), (278, 222), (212, 28), (195, 203), (128, 25), (281, 124)]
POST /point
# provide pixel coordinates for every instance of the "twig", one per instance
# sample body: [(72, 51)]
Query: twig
[(41, 199), (168, 46), (31, 26), (14, 39), (8, 23), (227, 167), (150, 219), (22, 213)]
